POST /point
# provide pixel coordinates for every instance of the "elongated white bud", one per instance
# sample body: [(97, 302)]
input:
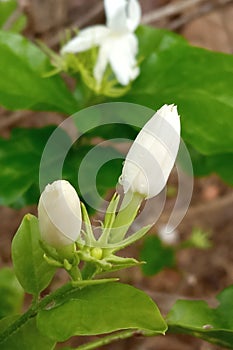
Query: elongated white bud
[(59, 214), (153, 154)]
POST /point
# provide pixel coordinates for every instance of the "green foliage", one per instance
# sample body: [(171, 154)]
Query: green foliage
[(32, 271), (169, 74), (221, 164), (156, 255), (11, 293), (20, 158), (23, 85), (198, 319), (200, 83), (101, 309), (27, 337)]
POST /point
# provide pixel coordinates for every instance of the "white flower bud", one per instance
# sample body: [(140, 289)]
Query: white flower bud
[(59, 214), (153, 154)]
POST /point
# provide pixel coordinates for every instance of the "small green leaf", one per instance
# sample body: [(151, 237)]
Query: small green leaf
[(27, 337), (156, 256), (32, 271), (196, 318), (11, 293), (23, 85), (101, 309)]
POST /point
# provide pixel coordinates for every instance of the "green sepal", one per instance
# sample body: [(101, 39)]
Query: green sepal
[(67, 265), (89, 236), (67, 252), (85, 256), (50, 251), (109, 218), (52, 262), (119, 263), (111, 210), (131, 239)]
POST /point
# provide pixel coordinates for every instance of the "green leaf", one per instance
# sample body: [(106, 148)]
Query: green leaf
[(32, 271), (156, 256), (169, 73), (23, 85), (19, 162), (27, 337), (153, 39), (219, 163), (101, 309), (196, 318), (11, 293), (198, 81)]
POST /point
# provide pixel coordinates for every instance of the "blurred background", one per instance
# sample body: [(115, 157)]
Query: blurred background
[(198, 273)]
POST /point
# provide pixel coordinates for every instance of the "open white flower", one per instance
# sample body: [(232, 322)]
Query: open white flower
[(118, 45), (153, 154), (59, 214)]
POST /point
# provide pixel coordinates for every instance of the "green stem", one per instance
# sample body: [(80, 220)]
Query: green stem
[(127, 213), (75, 273), (108, 340), (17, 324), (34, 309)]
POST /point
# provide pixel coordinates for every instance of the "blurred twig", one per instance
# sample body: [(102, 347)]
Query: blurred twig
[(204, 9), (169, 10), (178, 7), (13, 18), (13, 118), (81, 22)]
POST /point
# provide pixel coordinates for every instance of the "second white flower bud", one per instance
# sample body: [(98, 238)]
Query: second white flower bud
[(153, 154)]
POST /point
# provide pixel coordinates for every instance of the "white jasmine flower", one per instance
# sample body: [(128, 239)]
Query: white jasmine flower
[(59, 214), (153, 154), (118, 45), (168, 234)]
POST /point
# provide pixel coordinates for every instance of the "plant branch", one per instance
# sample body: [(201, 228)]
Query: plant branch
[(12, 19), (169, 10), (34, 309), (177, 7), (108, 339), (201, 11), (80, 23), (12, 119)]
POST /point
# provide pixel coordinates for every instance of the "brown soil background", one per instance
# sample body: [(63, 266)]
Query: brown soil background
[(199, 274)]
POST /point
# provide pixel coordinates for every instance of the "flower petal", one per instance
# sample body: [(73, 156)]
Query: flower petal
[(102, 61), (116, 16), (122, 58), (87, 38), (134, 15)]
